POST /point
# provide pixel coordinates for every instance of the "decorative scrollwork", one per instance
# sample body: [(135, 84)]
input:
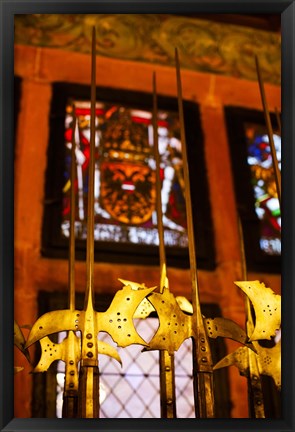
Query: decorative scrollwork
[(203, 45)]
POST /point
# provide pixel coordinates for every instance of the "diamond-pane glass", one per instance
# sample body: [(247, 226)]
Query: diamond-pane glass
[(133, 391)]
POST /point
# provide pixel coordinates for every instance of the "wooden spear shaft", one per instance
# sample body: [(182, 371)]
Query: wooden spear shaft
[(277, 171), (202, 361), (167, 371)]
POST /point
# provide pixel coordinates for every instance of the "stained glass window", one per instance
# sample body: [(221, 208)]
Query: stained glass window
[(267, 205), (255, 186), (125, 196), (125, 193)]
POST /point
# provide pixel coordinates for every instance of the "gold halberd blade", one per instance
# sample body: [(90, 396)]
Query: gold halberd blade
[(122, 308), (224, 327), (175, 326), (69, 351), (267, 307), (117, 321), (215, 327), (145, 308), (54, 322), (268, 360)]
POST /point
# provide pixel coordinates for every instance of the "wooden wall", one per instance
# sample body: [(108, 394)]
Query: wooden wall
[(39, 68)]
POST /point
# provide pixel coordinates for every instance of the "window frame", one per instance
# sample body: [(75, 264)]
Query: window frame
[(236, 118), (54, 246)]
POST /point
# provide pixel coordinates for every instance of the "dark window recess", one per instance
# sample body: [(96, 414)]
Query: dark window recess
[(255, 187), (125, 108)]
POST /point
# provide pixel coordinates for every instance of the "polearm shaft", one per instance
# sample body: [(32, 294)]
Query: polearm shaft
[(167, 371), (70, 395), (72, 218), (254, 382), (269, 130), (90, 210), (255, 393), (89, 372), (202, 361), (158, 186)]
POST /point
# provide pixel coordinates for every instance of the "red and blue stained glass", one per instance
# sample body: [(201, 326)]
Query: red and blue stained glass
[(125, 195), (267, 205)]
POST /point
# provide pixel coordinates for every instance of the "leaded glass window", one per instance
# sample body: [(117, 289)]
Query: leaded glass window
[(255, 186), (130, 391), (133, 390), (125, 197), (267, 205)]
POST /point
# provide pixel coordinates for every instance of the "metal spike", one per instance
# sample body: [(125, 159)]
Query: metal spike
[(277, 171), (202, 364)]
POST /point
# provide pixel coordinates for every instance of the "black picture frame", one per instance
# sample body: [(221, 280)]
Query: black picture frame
[(8, 8), (56, 246)]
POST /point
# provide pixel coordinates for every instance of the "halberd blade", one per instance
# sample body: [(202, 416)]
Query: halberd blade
[(238, 358), (227, 328), (268, 360), (175, 326), (117, 321), (52, 351), (68, 349), (53, 322), (267, 306)]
